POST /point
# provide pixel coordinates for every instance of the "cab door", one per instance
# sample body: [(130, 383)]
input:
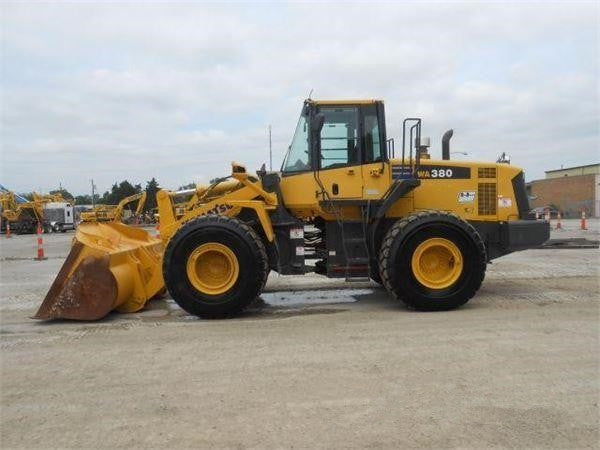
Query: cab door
[(339, 164), (376, 173)]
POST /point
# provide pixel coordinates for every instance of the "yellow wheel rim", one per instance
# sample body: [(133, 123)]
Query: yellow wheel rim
[(437, 263), (212, 268)]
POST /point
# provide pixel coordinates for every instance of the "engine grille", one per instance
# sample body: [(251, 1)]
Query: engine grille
[(486, 205), (486, 172)]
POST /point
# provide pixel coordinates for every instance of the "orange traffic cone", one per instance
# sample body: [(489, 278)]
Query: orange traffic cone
[(558, 224), (40, 241), (158, 230), (583, 221), (8, 235)]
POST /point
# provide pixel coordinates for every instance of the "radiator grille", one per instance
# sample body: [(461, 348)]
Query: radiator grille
[(486, 172), (487, 199)]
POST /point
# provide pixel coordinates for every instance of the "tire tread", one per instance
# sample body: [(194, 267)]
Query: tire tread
[(241, 229), (400, 229)]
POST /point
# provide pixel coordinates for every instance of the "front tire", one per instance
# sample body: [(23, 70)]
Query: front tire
[(432, 261), (214, 266)]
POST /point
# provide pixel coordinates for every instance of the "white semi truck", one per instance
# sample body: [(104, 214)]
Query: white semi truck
[(58, 216)]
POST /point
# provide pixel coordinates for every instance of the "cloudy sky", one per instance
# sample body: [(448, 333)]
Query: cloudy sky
[(176, 91)]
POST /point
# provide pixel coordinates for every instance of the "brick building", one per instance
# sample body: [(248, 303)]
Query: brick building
[(570, 190)]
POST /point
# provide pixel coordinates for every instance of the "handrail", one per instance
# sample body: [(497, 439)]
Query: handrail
[(416, 130)]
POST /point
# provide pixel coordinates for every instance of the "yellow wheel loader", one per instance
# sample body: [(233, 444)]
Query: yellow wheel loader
[(344, 205)]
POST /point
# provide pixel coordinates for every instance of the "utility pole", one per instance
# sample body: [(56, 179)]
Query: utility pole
[(93, 193), (270, 151)]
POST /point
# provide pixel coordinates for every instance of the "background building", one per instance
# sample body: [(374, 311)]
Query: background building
[(570, 190)]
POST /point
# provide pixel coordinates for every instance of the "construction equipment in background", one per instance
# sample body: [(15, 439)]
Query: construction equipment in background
[(114, 213), (25, 216), (59, 216), (58, 212), (424, 228), (47, 198)]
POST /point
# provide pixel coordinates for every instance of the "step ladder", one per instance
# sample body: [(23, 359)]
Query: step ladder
[(354, 241)]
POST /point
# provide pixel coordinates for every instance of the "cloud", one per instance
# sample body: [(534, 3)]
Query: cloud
[(114, 91)]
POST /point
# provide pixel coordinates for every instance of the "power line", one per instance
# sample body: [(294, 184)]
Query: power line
[(270, 151)]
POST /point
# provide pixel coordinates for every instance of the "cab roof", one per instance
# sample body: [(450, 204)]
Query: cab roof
[(345, 102)]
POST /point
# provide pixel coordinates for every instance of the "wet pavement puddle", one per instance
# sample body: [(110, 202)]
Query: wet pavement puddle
[(320, 297), (269, 304)]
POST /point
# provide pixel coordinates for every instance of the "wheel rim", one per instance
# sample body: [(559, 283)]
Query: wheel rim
[(437, 263), (212, 268)]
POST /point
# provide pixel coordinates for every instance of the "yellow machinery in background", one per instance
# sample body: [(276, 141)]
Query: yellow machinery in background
[(344, 205), (114, 213), (47, 198), (26, 216)]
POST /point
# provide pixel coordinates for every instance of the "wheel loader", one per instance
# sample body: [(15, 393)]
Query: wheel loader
[(343, 205)]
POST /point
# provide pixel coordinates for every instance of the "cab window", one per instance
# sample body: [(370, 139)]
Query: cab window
[(372, 144), (297, 158), (339, 137)]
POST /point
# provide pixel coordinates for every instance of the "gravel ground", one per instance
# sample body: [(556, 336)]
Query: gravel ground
[(315, 363)]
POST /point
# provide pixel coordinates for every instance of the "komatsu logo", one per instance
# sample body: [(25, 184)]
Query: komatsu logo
[(218, 209)]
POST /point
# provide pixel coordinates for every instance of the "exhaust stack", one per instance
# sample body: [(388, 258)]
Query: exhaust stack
[(446, 144)]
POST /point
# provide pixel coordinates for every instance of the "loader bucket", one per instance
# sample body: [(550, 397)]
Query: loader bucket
[(111, 266)]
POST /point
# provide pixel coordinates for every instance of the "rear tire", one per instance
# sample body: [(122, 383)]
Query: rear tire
[(446, 277), (237, 248)]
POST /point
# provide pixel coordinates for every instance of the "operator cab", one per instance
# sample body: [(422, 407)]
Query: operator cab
[(340, 153), (335, 134)]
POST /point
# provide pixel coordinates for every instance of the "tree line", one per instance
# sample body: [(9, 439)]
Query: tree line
[(117, 192)]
